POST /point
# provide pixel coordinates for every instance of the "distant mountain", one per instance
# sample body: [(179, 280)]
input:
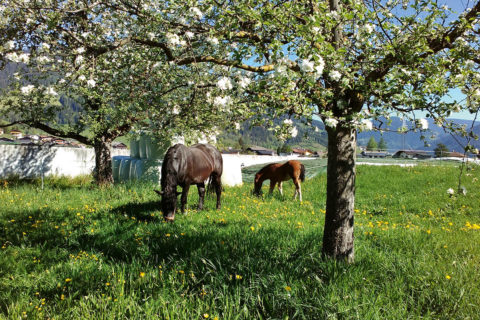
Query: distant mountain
[(413, 140), (250, 135), (308, 138)]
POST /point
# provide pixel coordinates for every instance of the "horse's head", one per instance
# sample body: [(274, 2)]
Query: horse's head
[(168, 204), (257, 186)]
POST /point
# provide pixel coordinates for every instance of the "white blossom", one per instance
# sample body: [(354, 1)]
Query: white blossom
[(294, 132), (244, 82), (12, 56), (212, 40), (91, 83), (335, 75), (367, 124), (9, 45), (423, 124), (450, 191), (82, 78), (45, 47), (222, 101), (80, 50), (237, 125), (320, 65), (51, 91), (281, 69), (196, 12), (469, 63), (306, 65), (369, 28), (288, 121), (224, 83), (24, 57), (172, 39), (27, 89), (189, 34), (43, 59), (151, 36), (331, 122), (175, 110), (79, 60)]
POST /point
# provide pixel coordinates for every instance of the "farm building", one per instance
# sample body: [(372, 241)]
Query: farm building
[(412, 154), (16, 134), (261, 151), (454, 154), (374, 154), (302, 152), (119, 145), (6, 140)]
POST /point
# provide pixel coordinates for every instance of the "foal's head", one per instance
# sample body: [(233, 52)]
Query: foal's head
[(257, 186)]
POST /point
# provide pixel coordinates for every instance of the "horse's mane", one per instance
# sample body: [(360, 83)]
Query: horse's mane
[(265, 168), (169, 176)]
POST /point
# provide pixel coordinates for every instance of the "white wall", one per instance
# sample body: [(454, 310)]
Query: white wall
[(28, 161)]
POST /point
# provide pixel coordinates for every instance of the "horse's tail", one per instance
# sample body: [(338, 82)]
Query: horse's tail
[(209, 184), (212, 183), (302, 172)]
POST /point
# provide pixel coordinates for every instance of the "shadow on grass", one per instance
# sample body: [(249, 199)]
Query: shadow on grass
[(145, 211)]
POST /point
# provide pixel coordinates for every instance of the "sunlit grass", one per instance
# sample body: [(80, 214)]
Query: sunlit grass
[(73, 251)]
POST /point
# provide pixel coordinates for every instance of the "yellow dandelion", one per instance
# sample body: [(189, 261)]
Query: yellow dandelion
[(142, 274), (252, 228), (62, 297), (238, 277), (448, 277), (205, 315), (68, 280), (288, 288)]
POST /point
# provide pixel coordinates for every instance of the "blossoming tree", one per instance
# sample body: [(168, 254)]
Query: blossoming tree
[(90, 54), (347, 62)]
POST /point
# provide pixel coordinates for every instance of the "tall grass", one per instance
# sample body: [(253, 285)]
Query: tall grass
[(73, 251)]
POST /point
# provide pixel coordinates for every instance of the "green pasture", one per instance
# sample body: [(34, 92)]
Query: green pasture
[(74, 251)]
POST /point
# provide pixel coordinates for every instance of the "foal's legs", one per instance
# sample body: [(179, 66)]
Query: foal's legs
[(183, 199), (201, 194), (280, 188), (298, 189), (272, 186)]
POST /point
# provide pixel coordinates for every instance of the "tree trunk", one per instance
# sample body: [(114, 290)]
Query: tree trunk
[(338, 231), (103, 162)]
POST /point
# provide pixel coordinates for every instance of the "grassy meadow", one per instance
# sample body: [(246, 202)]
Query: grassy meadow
[(73, 251)]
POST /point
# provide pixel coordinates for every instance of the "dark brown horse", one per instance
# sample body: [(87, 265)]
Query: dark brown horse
[(183, 166), (277, 173)]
